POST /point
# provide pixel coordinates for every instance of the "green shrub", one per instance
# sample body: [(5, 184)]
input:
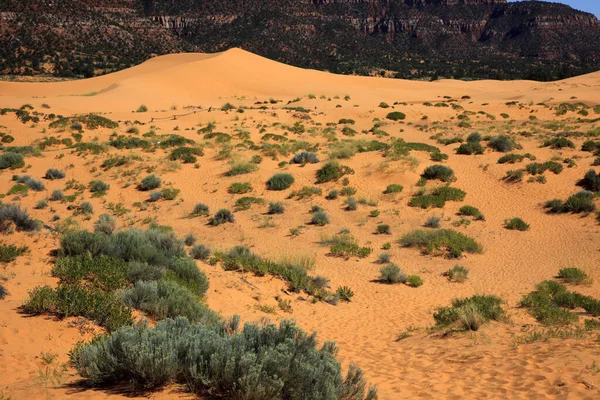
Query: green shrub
[(304, 158), (333, 171), (537, 168), (240, 188), (200, 209), (345, 293), (514, 176), (42, 204), (348, 191), (393, 188), (99, 186), (106, 273), (200, 252), (257, 361), (440, 172), (332, 195), (319, 218), (142, 109), (432, 222), (9, 253), (574, 275), (471, 211), (106, 224), (391, 273), (458, 273), (384, 258), (439, 242), (241, 168), (246, 202), (502, 144), (437, 198), (54, 173), (438, 156), (470, 148), (581, 202), (351, 204), (56, 195), (186, 154), (169, 193), (591, 181), (276, 208), (345, 245), (516, 224), (396, 116), (185, 272), (149, 183), (85, 208), (511, 158), (11, 160), (414, 281), (221, 217), (470, 313), (383, 229), (280, 181), (559, 143), (35, 185), (12, 213)]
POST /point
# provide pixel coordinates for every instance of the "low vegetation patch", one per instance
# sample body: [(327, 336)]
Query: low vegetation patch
[(281, 181), (581, 202), (437, 198), (439, 172), (516, 224), (469, 314), (333, 171), (441, 242)]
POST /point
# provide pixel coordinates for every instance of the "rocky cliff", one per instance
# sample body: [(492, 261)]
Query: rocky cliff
[(404, 38)]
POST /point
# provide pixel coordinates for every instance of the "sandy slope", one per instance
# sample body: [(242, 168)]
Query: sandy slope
[(482, 365)]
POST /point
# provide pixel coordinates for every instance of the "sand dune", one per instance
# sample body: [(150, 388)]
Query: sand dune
[(487, 364)]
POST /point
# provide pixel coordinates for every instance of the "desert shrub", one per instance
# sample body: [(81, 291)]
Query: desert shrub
[(12, 213), (471, 211), (540, 168), (106, 273), (345, 245), (185, 272), (351, 204), (383, 229), (165, 299), (559, 143), (344, 293), (156, 196), (580, 202), (142, 108), (54, 173), (437, 198), (42, 204), (189, 239), (139, 271), (106, 224), (502, 143), (333, 171), (396, 116), (470, 313), (200, 252), (458, 273), (516, 224), (591, 181), (56, 195), (391, 273), (11, 160), (511, 158), (574, 275), (304, 158), (438, 156), (384, 258), (150, 182), (246, 202), (221, 217), (240, 188), (3, 292), (439, 242), (72, 300), (332, 194), (85, 208), (514, 176), (10, 252), (35, 185), (432, 222), (280, 181), (257, 361), (348, 191), (241, 168), (440, 172), (186, 154), (319, 218), (414, 281), (470, 148), (170, 193), (474, 137), (200, 209), (393, 188), (276, 208), (306, 192), (99, 186), (18, 189)]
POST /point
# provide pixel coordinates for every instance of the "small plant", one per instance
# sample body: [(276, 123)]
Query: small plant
[(502, 144), (240, 188), (332, 195), (591, 181), (276, 208), (396, 116), (516, 224), (189, 239), (280, 181), (42, 204), (142, 108), (351, 204), (241, 168), (54, 173), (383, 229), (149, 183), (320, 218), (284, 305), (471, 211), (345, 293), (9, 253), (514, 176), (304, 158), (440, 242), (391, 274), (156, 196), (222, 216), (458, 273), (332, 171), (99, 187), (106, 224), (574, 275), (470, 313), (414, 281), (384, 258), (56, 195), (393, 188), (200, 252), (10, 160), (440, 172), (200, 209)]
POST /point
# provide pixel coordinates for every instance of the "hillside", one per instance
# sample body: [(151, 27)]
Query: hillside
[(472, 39)]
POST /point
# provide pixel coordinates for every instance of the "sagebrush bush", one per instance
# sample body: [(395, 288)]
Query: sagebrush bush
[(383, 229), (170, 193), (351, 204), (12, 213), (200, 252), (591, 181), (54, 173), (503, 144), (574, 275), (333, 171), (438, 242), (150, 182), (35, 185), (440, 172), (106, 224), (384, 258), (470, 148), (276, 208), (98, 186), (222, 216), (516, 224), (280, 181), (559, 143), (10, 252), (189, 239), (156, 196), (258, 362), (200, 209), (391, 273), (185, 272), (319, 218), (139, 271), (393, 188), (11, 160), (332, 195), (56, 195), (432, 222), (458, 273), (304, 158), (42, 204)]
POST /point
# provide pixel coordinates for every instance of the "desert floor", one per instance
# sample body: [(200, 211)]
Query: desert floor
[(498, 361)]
